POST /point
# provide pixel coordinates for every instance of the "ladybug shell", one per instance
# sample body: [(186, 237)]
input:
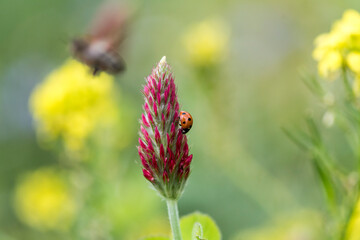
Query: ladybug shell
[(185, 121)]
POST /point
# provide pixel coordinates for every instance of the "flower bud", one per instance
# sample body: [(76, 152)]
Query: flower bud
[(163, 148)]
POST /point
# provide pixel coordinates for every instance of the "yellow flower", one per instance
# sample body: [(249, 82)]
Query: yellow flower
[(331, 62), (332, 49), (71, 103), (206, 43), (349, 24), (43, 200)]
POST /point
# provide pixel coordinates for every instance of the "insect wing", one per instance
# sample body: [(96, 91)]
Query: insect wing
[(109, 24)]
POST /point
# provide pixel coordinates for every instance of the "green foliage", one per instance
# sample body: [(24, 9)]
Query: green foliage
[(311, 142), (339, 184), (198, 226), (156, 238)]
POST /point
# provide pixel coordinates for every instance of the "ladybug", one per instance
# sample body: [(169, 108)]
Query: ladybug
[(185, 121)]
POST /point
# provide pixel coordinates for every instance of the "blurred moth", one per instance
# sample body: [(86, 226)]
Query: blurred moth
[(99, 48)]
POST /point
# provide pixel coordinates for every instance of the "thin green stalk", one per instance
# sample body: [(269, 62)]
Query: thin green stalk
[(348, 87), (174, 218), (351, 98), (358, 150)]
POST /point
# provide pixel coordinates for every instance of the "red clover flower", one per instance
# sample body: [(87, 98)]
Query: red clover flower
[(163, 148)]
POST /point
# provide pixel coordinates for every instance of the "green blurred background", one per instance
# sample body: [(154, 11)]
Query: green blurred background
[(246, 174)]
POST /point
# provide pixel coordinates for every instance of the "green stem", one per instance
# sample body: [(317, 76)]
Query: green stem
[(358, 152), (348, 87), (174, 218)]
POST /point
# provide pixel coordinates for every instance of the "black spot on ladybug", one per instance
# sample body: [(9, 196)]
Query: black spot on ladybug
[(183, 113), (189, 119), (185, 130), (183, 122)]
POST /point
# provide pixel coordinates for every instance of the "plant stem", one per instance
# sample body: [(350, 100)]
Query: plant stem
[(348, 87), (174, 218)]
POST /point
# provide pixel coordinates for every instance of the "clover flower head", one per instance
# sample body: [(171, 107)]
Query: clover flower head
[(163, 148)]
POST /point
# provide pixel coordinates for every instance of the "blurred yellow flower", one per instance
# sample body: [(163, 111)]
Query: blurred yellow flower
[(339, 47), (331, 62), (43, 200), (70, 103), (349, 24), (206, 42)]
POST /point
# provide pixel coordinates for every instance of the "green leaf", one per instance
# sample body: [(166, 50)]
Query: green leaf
[(313, 129), (156, 238), (200, 226), (294, 137), (312, 83), (327, 183)]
